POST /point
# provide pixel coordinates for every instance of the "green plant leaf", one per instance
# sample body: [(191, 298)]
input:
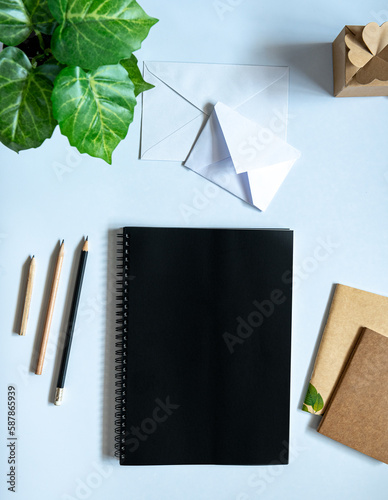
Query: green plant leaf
[(311, 396), (134, 74), (96, 33), (26, 117), (94, 109), (318, 405), (305, 408), (15, 22), (50, 69), (19, 18), (40, 15)]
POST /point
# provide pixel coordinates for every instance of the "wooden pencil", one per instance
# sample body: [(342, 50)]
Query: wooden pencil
[(27, 300), (71, 324), (50, 310)]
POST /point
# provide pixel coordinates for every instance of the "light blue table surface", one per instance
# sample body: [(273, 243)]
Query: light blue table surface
[(335, 198)]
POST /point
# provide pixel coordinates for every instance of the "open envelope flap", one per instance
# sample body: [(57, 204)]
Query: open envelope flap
[(250, 145), (210, 158), (203, 85), (265, 183), (210, 146)]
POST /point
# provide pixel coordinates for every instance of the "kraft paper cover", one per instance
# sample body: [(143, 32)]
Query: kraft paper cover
[(351, 310), (357, 414)]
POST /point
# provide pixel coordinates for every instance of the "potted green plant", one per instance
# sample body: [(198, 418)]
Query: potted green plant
[(70, 62)]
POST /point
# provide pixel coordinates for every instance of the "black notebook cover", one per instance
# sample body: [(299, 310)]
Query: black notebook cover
[(204, 344)]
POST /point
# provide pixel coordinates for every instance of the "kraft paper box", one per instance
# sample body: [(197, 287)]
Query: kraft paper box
[(360, 61)]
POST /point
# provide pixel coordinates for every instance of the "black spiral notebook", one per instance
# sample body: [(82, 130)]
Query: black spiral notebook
[(203, 346)]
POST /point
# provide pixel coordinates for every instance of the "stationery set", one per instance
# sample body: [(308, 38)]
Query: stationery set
[(351, 311), (348, 380), (228, 123), (50, 312), (203, 322)]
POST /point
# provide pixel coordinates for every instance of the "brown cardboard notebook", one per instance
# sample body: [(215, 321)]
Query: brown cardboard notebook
[(357, 414), (351, 310)]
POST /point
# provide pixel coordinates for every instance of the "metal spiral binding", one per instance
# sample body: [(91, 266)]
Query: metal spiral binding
[(121, 342)]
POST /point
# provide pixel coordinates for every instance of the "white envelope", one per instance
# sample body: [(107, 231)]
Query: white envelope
[(183, 103), (241, 156)]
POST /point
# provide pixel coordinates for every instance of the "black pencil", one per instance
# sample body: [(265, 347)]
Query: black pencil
[(71, 324)]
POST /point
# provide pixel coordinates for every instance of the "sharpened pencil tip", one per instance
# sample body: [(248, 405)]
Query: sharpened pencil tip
[(33, 256), (87, 238)]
